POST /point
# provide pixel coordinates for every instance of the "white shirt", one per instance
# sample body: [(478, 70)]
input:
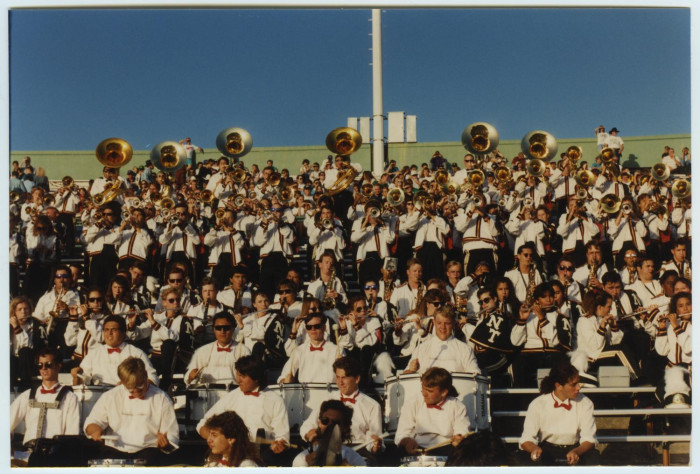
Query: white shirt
[(312, 366), (452, 355), (101, 365), (64, 420), (404, 298), (216, 366), (136, 422), (430, 426), (47, 302), (266, 411), (559, 426)]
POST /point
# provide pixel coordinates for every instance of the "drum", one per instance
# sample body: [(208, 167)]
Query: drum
[(423, 461), (117, 462), (200, 400), (473, 391), (87, 397), (301, 399)]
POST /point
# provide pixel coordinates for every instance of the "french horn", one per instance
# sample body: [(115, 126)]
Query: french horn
[(114, 152), (168, 156), (539, 144), (480, 138), (234, 142)]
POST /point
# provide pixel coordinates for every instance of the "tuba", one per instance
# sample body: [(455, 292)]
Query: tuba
[(480, 138), (535, 167), (234, 142), (539, 144), (114, 152), (343, 141), (607, 155), (168, 156), (681, 189)]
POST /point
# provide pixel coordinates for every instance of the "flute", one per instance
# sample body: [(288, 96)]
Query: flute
[(622, 317), (143, 311)]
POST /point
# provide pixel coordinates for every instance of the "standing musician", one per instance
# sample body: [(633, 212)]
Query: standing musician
[(258, 407), (138, 414), (103, 237), (406, 297), (227, 242), (85, 326), (229, 443), (214, 362), (52, 308), (577, 229), (274, 238), (372, 237), (50, 409), (675, 342), (325, 234), (136, 239), (67, 204), (430, 240), (559, 424), (480, 235), (260, 332), (328, 288), (179, 240)]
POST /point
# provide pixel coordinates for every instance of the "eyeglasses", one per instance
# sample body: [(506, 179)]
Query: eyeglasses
[(284, 292), (176, 280), (93, 300), (435, 303), (485, 301), (361, 308), (469, 161), (62, 275), (45, 365), (631, 256), (566, 269), (226, 328), (309, 327), (325, 421), (276, 209), (371, 287)]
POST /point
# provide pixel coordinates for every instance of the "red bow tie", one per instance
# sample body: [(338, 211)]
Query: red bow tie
[(223, 349), (319, 348), (255, 394), (224, 462), (349, 399), (116, 349), (561, 405), (438, 407), (53, 390), (140, 398)]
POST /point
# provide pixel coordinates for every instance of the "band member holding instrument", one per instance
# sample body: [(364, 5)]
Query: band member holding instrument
[(559, 424), (179, 240), (430, 238), (47, 410), (85, 327), (99, 367), (373, 237), (434, 416), (480, 235), (328, 288), (229, 444), (139, 415), (236, 296), (274, 238), (52, 308), (525, 276), (674, 340), (103, 237), (41, 245), (177, 281), (205, 311), (678, 262), (590, 274), (577, 229), (258, 407), (27, 336), (254, 329), (227, 241), (136, 239), (646, 286), (406, 297), (214, 362), (325, 233)]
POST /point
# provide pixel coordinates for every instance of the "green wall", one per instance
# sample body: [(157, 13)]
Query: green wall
[(644, 151)]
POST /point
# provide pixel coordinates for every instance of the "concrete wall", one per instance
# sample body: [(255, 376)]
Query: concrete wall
[(639, 151)]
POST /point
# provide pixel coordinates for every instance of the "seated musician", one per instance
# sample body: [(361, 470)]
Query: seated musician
[(176, 280), (410, 330), (559, 424), (443, 350), (675, 342), (264, 332), (214, 362), (205, 311), (286, 300), (84, 330), (58, 402), (229, 443), (330, 292), (259, 408), (100, 365), (312, 362), (236, 295), (366, 415), (139, 416), (26, 336), (325, 450), (435, 417)]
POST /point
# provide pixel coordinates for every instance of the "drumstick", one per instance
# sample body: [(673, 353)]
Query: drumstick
[(364, 445), (260, 440), (440, 445)]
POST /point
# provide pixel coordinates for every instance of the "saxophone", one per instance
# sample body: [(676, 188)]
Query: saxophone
[(529, 298), (632, 270), (421, 293), (686, 271), (53, 314), (328, 301), (388, 282), (592, 274)]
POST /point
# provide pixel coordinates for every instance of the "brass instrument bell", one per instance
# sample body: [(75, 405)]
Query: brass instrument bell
[(626, 208), (285, 195), (114, 152), (480, 138), (681, 189), (274, 179), (660, 172), (219, 213), (49, 200), (395, 197), (168, 156), (607, 155), (327, 224), (126, 214), (610, 203), (452, 187), (373, 208), (238, 201), (476, 178), (535, 167), (581, 194), (344, 141), (166, 203), (527, 202), (239, 175), (206, 196), (539, 144), (366, 190), (574, 153), (503, 174), (442, 177), (15, 196), (419, 198), (67, 182), (585, 178), (234, 142)]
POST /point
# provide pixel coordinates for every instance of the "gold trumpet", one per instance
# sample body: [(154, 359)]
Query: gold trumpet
[(166, 203), (373, 208), (503, 175)]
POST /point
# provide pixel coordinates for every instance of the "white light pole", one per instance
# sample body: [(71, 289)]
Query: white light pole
[(377, 98)]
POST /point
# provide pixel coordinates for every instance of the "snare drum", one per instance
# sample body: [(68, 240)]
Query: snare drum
[(473, 391), (117, 462), (301, 399), (423, 461), (200, 400), (87, 397)]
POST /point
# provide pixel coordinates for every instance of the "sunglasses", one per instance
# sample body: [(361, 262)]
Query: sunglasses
[(45, 365), (566, 269), (171, 300), (276, 209), (371, 287), (435, 303), (309, 327), (177, 280), (93, 300), (284, 292), (484, 301), (325, 421), (223, 328), (63, 275)]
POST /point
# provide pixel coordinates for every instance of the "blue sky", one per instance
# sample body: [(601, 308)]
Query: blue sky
[(290, 76)]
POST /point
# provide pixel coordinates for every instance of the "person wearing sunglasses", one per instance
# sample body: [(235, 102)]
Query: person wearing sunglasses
[(443, 350), (213, 363), (565, 273), (334, 416), (205, 311), (140, 415), (177, 280), (226, 240), (57, 300), (312, 361), (376, 306), (286, 300), (259, 408), (63, 419), (84, 330), (525, 275), (102, 239), (99, 366)]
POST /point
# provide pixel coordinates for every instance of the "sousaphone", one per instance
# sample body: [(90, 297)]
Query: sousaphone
[(480, 138), (114, 152), (539, 144), (343, 141), (168, 156), (234, 142)]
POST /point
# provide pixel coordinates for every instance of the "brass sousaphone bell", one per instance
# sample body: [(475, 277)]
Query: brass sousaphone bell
[(114, 152), (539, 144), (343, 141), (480, 138), (660, 172), (681, 189), (234, 142), (168, 156), (535, 167)]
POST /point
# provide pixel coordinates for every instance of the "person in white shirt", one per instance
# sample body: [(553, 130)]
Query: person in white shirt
[(525, 275), (334, 421), (676, 343), (229, 443), (601, 136), (559, 424), (330, 292), (139, 416), (406, 297), (312, 362), (615, 142), (434, 416), (60, 406)]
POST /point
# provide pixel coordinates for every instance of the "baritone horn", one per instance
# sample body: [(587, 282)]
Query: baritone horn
[(234, 142), (574, 153), (480, 138), (168, 156), (539, 144), (68, 182), (114, 152)]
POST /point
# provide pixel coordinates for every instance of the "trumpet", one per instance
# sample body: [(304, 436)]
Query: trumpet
[(126, 214), (327, 224), (219, 213), (238, 201), (626, 209), (527, 202)]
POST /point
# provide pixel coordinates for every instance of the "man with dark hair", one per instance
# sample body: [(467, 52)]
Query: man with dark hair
[(180, 240), (312, 361)]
